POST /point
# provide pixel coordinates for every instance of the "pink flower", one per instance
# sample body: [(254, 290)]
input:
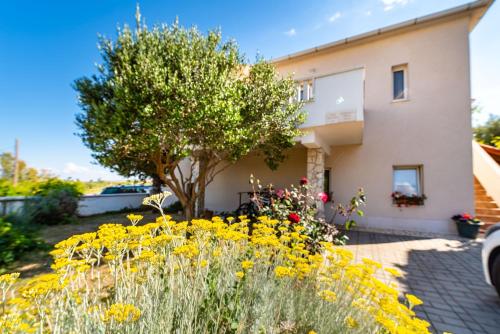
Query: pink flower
[(280, 193), (323, 197), (293, 218), (303, 181)]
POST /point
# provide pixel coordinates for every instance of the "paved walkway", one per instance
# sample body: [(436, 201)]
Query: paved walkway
[(445, 273)]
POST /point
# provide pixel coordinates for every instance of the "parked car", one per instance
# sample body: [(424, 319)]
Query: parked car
[(491, 256), (130, 189)]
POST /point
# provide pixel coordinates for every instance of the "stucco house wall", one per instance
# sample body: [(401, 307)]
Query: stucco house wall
[(222, 193), (431, 128)]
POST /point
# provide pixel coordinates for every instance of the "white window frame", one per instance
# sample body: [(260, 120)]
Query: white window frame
[(420, 176), (307, 86), (310, 89), (404, 68)]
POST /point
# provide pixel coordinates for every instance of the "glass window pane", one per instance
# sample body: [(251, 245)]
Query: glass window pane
[(302, 93), (406, 181), (399, 84), (310, 90)]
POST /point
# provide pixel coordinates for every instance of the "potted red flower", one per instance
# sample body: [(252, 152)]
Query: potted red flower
[(467, 226), (400, 199)]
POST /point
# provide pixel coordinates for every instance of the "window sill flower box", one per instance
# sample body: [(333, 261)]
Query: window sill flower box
[(401, 199), (467, 226)]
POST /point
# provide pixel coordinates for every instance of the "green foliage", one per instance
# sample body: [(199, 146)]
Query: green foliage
[(174, 207), (23, 188), (27, 179), (487, 133), (169, 93), (45, 188), (55, 202), (16, 239), (7, 169)]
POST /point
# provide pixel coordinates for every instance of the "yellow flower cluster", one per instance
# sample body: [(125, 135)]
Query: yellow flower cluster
[(109, 275), (121, 313), (8, 279)]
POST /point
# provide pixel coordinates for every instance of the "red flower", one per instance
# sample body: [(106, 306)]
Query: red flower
[(323, 197), (466, 216), (303, 181), (293, 218)]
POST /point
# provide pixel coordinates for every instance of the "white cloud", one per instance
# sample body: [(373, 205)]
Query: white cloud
[(71, 167), (87, 172), (391, 4), (368, 13), (335, 17), (291, 32)]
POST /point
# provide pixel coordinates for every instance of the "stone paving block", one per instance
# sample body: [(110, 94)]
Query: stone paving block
[(442, 327), (475, 327), (443, 314), (446, 273), (491, 329), (453, 321)]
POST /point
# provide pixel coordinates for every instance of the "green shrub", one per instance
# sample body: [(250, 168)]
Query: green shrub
[(55, 202), (174, 207), (8, 189), (15, 240), (72, 188)]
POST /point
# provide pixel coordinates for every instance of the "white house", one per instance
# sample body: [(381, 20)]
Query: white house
[(388, 110)]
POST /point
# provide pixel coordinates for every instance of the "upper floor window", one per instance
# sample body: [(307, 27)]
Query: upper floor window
[(305, 90), (400, 82)]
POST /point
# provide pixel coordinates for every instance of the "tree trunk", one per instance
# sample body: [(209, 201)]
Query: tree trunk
[(189, 206), (202, 175), (188, 213), (157, 183)]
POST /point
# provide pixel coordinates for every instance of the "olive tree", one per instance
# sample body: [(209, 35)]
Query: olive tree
[(180, 106)]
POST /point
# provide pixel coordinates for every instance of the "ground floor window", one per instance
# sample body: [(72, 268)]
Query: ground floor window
[(407, 180)]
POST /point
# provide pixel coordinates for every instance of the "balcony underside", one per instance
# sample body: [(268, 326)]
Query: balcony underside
[(326, 136)]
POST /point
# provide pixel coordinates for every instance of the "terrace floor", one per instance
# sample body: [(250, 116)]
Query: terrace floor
[(445, 273)]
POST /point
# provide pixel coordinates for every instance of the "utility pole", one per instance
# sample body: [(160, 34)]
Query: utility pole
[(16, 163)]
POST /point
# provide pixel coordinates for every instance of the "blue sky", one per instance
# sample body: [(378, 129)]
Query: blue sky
[(46, 45)]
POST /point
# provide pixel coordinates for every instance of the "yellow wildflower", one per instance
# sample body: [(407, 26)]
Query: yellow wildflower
[(281, 271), (328, 296), (8, 279), (121, 313), (370, 262), (134, 219), (413, 300), (351, 322), (247, 265), (394, 272)]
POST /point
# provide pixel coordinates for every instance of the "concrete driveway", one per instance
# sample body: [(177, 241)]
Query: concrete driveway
[(445, 273)]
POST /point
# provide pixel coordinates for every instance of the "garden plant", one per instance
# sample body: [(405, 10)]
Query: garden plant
[(298, 204), (152, 278), (181, 106)]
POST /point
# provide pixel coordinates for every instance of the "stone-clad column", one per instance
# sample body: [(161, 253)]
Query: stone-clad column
[(316, 175)]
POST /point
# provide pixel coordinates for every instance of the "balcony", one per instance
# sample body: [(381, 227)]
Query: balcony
[(335, 114)]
